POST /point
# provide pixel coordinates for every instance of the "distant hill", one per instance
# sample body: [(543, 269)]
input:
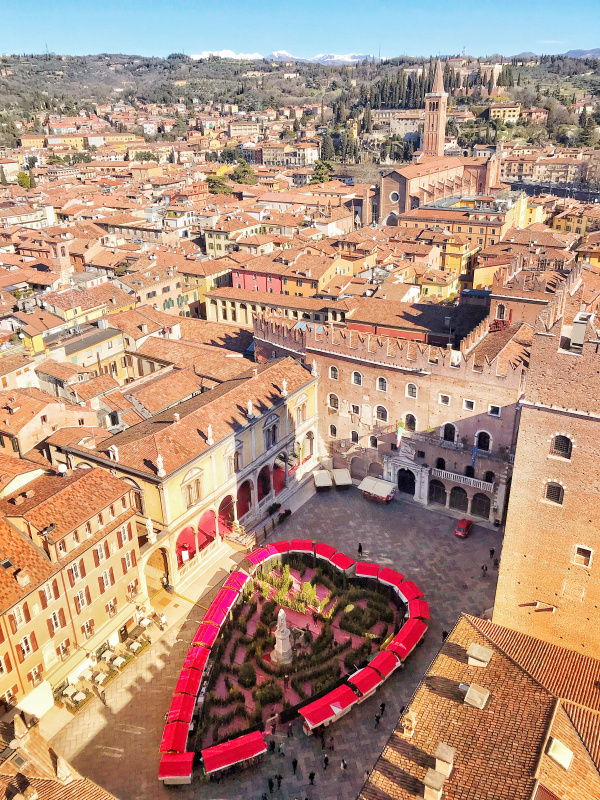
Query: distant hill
[(594, 53), (327, 59)]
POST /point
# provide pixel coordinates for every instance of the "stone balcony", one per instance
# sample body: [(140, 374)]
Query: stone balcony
[(456, 477)]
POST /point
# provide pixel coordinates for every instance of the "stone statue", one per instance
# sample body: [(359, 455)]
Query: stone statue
[(150, 530), (160, 466), (250, 413), (282, 654), (209, 436), (284, 390)]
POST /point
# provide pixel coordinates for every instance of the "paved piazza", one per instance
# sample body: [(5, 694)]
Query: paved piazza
[(117, 745)]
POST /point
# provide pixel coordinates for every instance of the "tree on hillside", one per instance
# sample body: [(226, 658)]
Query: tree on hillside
[(321, 173), (217, 185), (327, 149), (143, 155), (243, 174), (3, 181), (23, 180), (296, 125)]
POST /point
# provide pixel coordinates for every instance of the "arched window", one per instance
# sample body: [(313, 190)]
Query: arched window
[(489, 477), (373, 442), (469, 471), (561, 446), (333, 401), (191, 486), (440, 463), (500, 311), (483, 441), (382, 384), (449, 432), (333, 431), (334, 373), (382, 414), (411, 390), (357, 378), (354, 437), (555, 493), (410, 422)]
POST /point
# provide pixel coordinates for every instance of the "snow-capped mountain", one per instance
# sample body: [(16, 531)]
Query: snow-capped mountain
[(329, 59)]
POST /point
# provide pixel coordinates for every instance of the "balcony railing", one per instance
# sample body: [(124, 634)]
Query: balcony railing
[(458, 478)]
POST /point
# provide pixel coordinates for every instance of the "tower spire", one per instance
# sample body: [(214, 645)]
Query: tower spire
[(438, 81)]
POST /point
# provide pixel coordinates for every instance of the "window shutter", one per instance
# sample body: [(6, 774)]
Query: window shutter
[(67, 643), (61, 617), (112, 576), (77, 605), (88, 596), (124, 563), (71, 577), (33, 639), (120, 538), (82, 568), (1, 634), (13, 623), (133, 558), (106, 549), (107, 609), (20, 654), (50, 627), (129, 531), (43, 600), (26, 612), (101, 585), (96, 559), (83, 629), (7, 664), (30, 677), (55, 590)]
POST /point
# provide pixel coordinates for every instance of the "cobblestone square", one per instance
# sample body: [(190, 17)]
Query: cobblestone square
[(117, 745)]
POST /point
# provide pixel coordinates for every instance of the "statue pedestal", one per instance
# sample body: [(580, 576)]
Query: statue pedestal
[(282, 654)]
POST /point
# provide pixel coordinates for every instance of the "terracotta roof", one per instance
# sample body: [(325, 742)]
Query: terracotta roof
[(94, 387)]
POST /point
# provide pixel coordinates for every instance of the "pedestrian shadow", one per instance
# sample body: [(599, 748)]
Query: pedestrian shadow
[(411, 753), (444, 687)]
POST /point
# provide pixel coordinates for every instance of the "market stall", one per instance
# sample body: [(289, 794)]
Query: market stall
[(377, 489), (322, 479), (176, 768), (334, 705), (235, 751)]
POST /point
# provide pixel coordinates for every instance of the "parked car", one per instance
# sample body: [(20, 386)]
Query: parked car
[(463, 529)]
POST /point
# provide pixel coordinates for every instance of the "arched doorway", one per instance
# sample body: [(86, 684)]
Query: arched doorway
[(375, 470), (279, 473), (437, 493), (207, 529), (406, 481), (449, 432), (156, 571), (308, 446), (459, 499), (226, 514), (440, 463), (185, 549), (358, 468), (138, 500), (263, 485), (480, 506), (244, 499)]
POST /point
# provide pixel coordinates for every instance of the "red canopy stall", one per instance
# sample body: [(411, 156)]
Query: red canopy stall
[(366, 569), (233, 752), (329, 708), (366, 681), (189, 682), (174, 737), (409, 637), (182, 708), (176, 768)]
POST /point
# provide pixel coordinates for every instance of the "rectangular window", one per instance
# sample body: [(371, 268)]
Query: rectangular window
[(128, 561), (63, 650), (62, 547), (81, 599), (19, 616), (55, 620), (26, 645), (106, 578), (111, 607), (583, 556), (101, 553), (355, 409), (494, 411), (468, 405), (44, 418), (444, 399), (88, 628), (75, 572)]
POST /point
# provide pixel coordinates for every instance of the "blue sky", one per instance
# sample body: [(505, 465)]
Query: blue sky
[(303, 27)]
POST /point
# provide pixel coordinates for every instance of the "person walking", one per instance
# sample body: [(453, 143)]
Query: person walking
[(483, 571), (359, 550), (382, 709), (492, 551), (281, 749), (286, 681), (278, 778), (311, 778), (322, 734), (377, 720), (294, 764), (343, 765), (271, 785), (331, 743), (444, 635), (325, 763), (290, 732)]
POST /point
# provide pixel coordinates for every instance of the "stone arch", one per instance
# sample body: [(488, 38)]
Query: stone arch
[(207, 526), (226, 515), (358, 468), (185, 546), (449, 432), (244, 498), (481, 505), (437, 493), (138, 495), (406, 481), (483, 441), (280, 472), (375, 469), (157, 571), (459, 499), (263, 483)]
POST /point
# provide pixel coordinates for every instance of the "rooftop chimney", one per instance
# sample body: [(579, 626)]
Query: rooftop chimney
[(30, 793), (22, 578), (20, 727), (434, 784), (479, 656), (176, 417), (477, 696), (63, 773), (444, 759), (255, 372), (409, 723)]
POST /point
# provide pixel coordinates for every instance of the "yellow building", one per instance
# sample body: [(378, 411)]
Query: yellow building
[(589, 250), (438, 285), (507, 112), (210, 467), (535, 213), (579, 220)]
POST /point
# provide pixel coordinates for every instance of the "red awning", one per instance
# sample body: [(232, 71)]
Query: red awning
[(385, 663), (409, 591), (196, 658), (342, 561), (176, 765), (366, 680), (282, 547), (325, 550), (182, 708), (418, 608), (390, 577), (174, 737), (189, 682), (237, 580), (301, 545), (366, 569), (328, 707), (206, 634), (229, 753), (257, 556), (409, 637), (221, 606)]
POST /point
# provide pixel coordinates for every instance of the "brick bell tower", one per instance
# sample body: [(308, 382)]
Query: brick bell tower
[(436, 106)]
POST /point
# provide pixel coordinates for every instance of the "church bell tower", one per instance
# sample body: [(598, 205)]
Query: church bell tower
[(436, 106)]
